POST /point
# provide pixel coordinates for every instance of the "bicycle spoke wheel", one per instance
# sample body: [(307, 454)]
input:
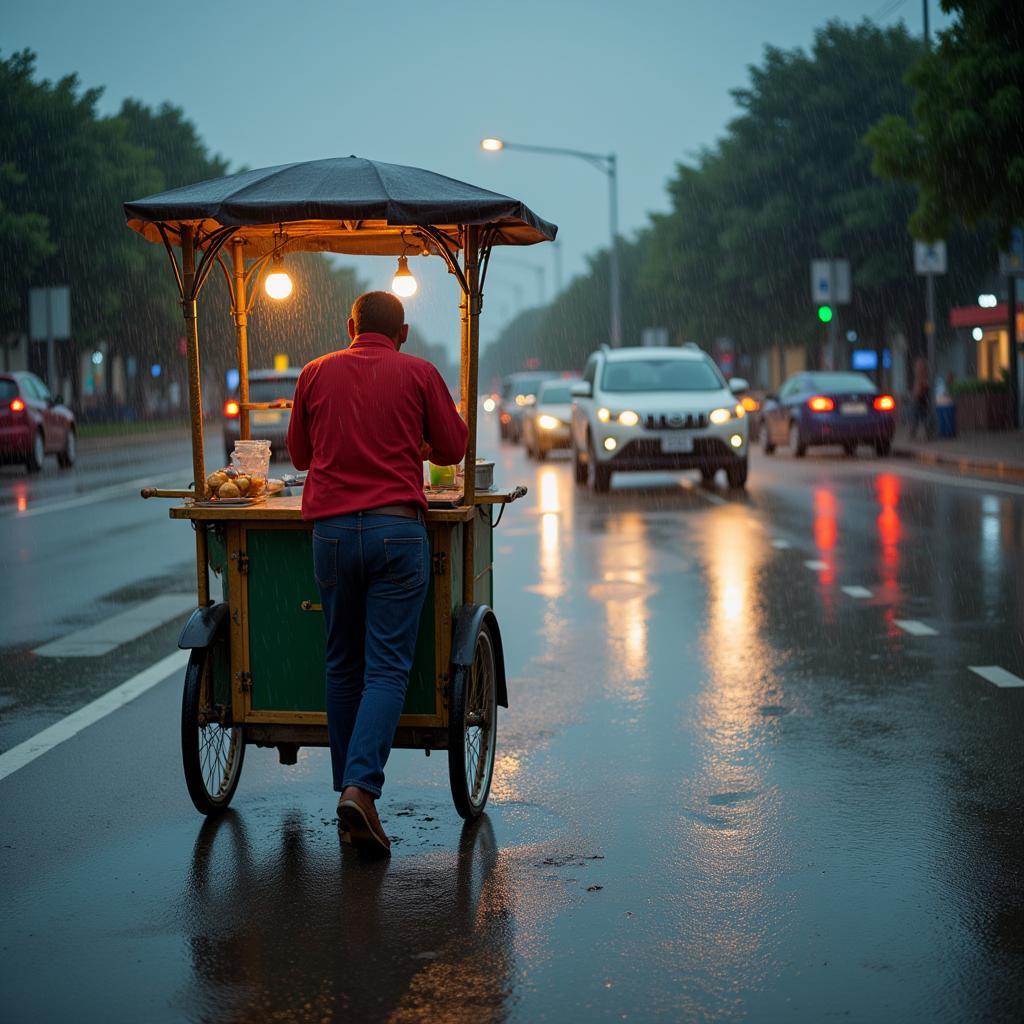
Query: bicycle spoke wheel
[(211, 751)]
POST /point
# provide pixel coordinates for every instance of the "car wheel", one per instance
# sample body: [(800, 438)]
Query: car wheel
[(797, 447), (34, 461), (579, 466), (766, 445), (707, 475), (850, 449), (66, 458), (883, 448), (600, 476), (736, 473)]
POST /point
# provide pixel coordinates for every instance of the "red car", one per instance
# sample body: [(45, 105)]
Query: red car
[(34, 424)]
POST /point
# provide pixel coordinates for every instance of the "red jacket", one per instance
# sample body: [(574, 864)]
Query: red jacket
[(358, 420)]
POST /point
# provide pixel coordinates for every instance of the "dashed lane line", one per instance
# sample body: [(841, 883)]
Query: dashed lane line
[(781, 544), (915, 628), (816, 565), (98, 495), (25, 753), (109, 634), (997, 676), (972, 483), (708, 496), (860, 592)]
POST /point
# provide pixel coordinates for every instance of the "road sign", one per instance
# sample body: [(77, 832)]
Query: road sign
[(49, 313), (654, 337), (930, 257), (830, 282), (1011, 262)]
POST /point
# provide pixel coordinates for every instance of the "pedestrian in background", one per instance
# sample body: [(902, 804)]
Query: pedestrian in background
[(920, 396)]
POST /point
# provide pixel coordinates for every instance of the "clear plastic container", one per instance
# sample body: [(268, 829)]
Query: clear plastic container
[(253, 459)]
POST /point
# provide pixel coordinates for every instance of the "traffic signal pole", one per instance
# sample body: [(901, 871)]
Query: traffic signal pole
[(929, 331), (1011, 329)]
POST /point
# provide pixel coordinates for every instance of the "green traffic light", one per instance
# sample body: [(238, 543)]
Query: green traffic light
[(825, 314)]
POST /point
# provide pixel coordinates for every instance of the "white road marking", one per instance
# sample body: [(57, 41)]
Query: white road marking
[(856, 591), (938, 477), (915, 628), (996, 675), (109, 634), (781, 544), (24, 753), (100, 494), (816, 565), (703, 492)]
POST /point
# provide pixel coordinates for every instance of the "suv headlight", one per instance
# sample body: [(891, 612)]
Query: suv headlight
[(626, 418), (719, 416)]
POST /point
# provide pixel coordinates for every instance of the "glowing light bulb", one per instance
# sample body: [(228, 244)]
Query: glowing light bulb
[(492, 145), (404, 284), (278, 285)]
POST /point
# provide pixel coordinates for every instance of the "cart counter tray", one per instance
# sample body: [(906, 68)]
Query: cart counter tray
[(289, 507)]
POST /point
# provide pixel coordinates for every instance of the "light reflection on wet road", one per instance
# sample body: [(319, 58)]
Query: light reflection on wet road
[(725, 790)]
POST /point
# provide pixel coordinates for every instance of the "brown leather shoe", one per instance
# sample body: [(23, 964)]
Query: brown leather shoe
[(358, 816)]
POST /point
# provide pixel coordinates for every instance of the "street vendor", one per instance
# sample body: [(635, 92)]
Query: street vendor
[(363, 420)]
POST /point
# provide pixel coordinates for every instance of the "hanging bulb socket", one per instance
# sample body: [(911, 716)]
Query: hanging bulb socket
[(404, 284)]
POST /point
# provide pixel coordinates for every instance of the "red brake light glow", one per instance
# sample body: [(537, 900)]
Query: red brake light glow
[(820, 403), (885, 403), (17, 405), (231, 408)]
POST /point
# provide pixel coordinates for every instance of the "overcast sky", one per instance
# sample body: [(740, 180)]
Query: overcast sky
[(273, 81)]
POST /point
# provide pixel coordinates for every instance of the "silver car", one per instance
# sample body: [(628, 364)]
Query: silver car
[(548, 423), (272, 424)]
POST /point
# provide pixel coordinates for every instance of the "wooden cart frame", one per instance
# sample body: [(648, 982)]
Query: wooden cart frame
[(232, 696)]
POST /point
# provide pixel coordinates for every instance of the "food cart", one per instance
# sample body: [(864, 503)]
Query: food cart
[(256, 670)]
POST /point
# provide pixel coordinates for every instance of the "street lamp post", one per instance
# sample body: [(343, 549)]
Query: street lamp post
[(607, 164)]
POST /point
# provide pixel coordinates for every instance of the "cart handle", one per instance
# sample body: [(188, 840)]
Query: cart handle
[(158, 492)]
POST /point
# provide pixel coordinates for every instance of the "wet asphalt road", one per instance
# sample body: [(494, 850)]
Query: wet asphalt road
[(727, 789)]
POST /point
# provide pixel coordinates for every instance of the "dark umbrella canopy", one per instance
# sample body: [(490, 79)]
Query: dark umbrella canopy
[(344, 204)]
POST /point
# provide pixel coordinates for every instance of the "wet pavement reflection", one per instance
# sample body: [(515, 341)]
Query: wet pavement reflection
[(727, 788)]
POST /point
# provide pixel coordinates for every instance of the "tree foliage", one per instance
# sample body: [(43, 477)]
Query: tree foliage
[(964, 145), (65, 175), (791, 180)]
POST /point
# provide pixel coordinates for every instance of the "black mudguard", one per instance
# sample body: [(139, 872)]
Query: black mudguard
[(468, 620), (203, 627)]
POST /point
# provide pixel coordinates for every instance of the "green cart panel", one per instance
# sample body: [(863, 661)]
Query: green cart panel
[(286, 644)]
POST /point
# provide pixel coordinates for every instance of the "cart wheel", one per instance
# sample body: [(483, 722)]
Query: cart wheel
[(211, 754), (472, 728)]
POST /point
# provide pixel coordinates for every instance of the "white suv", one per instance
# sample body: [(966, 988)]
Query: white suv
[(657, 409)]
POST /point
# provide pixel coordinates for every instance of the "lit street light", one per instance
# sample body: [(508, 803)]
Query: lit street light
[(607, 164)]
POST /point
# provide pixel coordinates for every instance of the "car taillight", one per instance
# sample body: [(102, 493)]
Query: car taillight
[(17, 405), (231, 408), (820, 403), (885, 403)]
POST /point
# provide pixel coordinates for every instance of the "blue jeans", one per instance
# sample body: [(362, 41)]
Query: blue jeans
[(372, 573)]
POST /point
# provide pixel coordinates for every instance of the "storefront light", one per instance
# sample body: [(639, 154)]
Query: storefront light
[(977, 334)]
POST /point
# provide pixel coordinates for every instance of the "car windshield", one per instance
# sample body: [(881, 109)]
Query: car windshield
[(661, 375), (271, 390), (851, 383), (528, 385), (8, 390), (555, 393)]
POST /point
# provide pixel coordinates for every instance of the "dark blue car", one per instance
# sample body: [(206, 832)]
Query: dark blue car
[(817, 408)]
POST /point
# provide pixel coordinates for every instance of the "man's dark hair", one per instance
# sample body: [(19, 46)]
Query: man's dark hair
[(378, 313)]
